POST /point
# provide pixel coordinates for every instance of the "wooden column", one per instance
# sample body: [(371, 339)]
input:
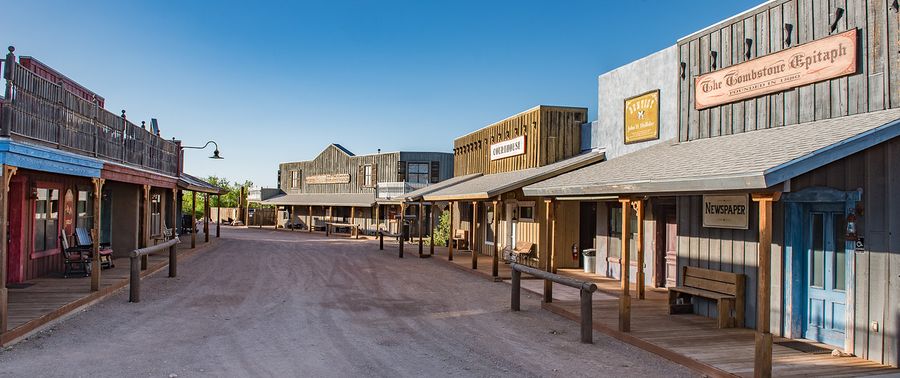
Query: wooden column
[(762, 362), (309, 220), (452, 233), (206, 217), (218, 215), (400, 222), (420, 228), (145, 230), (377, 218), (330, 214), (352, 214), (173, 250), (548, 253), (194, 218), (625, 266), (639, 209), (431, 235), (95, 261), (495, 225), (242, 209), (8, 172), (259, 206), (474, 227)]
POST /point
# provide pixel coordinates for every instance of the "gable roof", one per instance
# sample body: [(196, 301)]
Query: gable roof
[(750, 160), (344, 150)]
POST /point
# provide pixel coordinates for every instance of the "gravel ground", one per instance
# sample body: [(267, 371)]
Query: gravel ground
[(267, 303)]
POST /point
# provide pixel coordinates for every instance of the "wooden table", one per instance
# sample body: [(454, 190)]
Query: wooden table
[(354, 228)]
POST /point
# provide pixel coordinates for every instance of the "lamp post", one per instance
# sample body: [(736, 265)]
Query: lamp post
[(216, 156)]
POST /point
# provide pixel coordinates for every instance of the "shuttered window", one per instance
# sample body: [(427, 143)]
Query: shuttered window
[(435, 171), (401, 171)]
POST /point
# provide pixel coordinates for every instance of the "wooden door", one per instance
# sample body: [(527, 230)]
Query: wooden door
[(827, 262), (671, 252)]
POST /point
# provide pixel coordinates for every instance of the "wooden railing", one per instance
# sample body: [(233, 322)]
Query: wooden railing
[(45, 112)]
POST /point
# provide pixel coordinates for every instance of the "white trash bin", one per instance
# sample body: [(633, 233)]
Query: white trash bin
[(589, 260)]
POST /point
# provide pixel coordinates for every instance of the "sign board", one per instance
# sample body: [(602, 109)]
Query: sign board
[(338, 178), (819, 60), (508, 148), (726, 211), (642, 117)]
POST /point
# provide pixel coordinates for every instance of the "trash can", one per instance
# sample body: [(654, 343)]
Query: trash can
[(589, 260)]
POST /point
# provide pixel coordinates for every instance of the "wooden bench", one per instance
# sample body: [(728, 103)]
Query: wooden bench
[(726, 289), (460, 237), (518, 253), (331, 226), (319, 224)]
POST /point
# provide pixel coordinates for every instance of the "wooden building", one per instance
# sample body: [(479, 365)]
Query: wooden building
[(490, 214), (783, 170), (341, 187)]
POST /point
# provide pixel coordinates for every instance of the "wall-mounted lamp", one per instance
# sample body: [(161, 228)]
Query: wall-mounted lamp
[(712, 57), (748, 43), (788, 28), (215, 154), (683, 68), (838, 12), (896, 6)]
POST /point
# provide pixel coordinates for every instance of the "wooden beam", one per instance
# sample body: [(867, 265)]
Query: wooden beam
[(452, 233), (194, 218), (330, 214), (472, 235), (495, 256), (547, 253), (95, 261), (219, 214), (206, 217), (625, 267), (173, 251), (419, 229), (762, 366), (639, 243), (309, 224), (8, 172), (377, 218), (145, 230), (432, 224)]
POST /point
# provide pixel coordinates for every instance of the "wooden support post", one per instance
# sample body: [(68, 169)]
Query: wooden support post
[(242, 209), (173, 250), (495, 256), (219, 215), (402, 219), (762, 365), (548, 254), (381, 240), (639, 209), (431, 234), (145, 230), (8, 172), (134, 281), (625, 266), (353, 221), (309, 221), (472, 238), (377, 217), (419, 229), (587, 316), (95, 261), (194, 219), (206, 217), (516, 297), (330, 214), (452, 233)]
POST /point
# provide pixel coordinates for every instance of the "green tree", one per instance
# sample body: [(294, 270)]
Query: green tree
[(442, 232), (230, 198)]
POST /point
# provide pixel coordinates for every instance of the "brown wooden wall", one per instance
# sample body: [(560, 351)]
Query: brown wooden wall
[(551, 134), (875, 86)]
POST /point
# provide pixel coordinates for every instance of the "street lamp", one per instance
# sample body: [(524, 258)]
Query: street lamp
[(215, 154)]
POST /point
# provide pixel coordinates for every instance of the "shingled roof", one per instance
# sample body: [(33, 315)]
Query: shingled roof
[(751, 160)]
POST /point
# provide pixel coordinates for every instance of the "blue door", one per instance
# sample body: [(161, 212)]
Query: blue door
[(827, 263)]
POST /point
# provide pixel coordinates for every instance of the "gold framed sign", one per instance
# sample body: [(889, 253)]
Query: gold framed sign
[(726, 211), (642, 117), (339, 178), (811, 62)]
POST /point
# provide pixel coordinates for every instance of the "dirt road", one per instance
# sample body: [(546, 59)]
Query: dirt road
[(267, 303)]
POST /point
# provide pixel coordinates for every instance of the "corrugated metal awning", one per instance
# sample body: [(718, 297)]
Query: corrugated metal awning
[(323, 199)]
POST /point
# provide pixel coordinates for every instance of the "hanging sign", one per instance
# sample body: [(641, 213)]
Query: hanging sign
[(819, 60), (340, 178), (508, 148), (642, 117), (726, 211)]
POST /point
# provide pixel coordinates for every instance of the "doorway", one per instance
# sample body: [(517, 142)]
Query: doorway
[(827, 265), (511, 220), (666, 256), (587, 232)]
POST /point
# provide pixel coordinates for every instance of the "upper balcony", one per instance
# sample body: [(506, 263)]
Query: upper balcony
[(390, 190), (50, 114)]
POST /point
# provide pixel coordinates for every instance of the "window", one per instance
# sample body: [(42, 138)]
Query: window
[(615, 232), (489, 224), (295, 179), (84, 211), (417, 173), (368, 180), (155, 217), (526, 211), (46, 220)]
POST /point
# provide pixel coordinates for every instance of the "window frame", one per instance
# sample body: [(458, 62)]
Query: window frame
[(425, 175), (36, 254), (525, 205), (489, 223)]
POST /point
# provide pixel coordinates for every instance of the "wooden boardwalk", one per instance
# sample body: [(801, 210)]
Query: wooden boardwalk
[(694, 340), (43, 300)]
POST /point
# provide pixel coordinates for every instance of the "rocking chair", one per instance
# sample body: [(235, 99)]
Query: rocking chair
[(75, 259), (85, 240)]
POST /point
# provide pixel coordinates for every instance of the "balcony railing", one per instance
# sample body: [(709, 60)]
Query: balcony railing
[(47, 113), (388, 190)]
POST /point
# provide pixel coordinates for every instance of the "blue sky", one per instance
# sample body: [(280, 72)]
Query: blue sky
[(278, 81)]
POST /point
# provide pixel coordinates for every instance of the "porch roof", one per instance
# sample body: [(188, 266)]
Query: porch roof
[(745, 161), (40, 158), (418, 194), (487, 186), (323, 199), (195, 184)]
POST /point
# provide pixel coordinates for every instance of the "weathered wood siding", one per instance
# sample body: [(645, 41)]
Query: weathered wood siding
[(333, 160), (875, 86), (551, 134), (877, 280)]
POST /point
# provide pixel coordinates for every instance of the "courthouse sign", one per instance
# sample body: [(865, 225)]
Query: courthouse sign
[(726, 211), (808, 63), (508, 148)]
